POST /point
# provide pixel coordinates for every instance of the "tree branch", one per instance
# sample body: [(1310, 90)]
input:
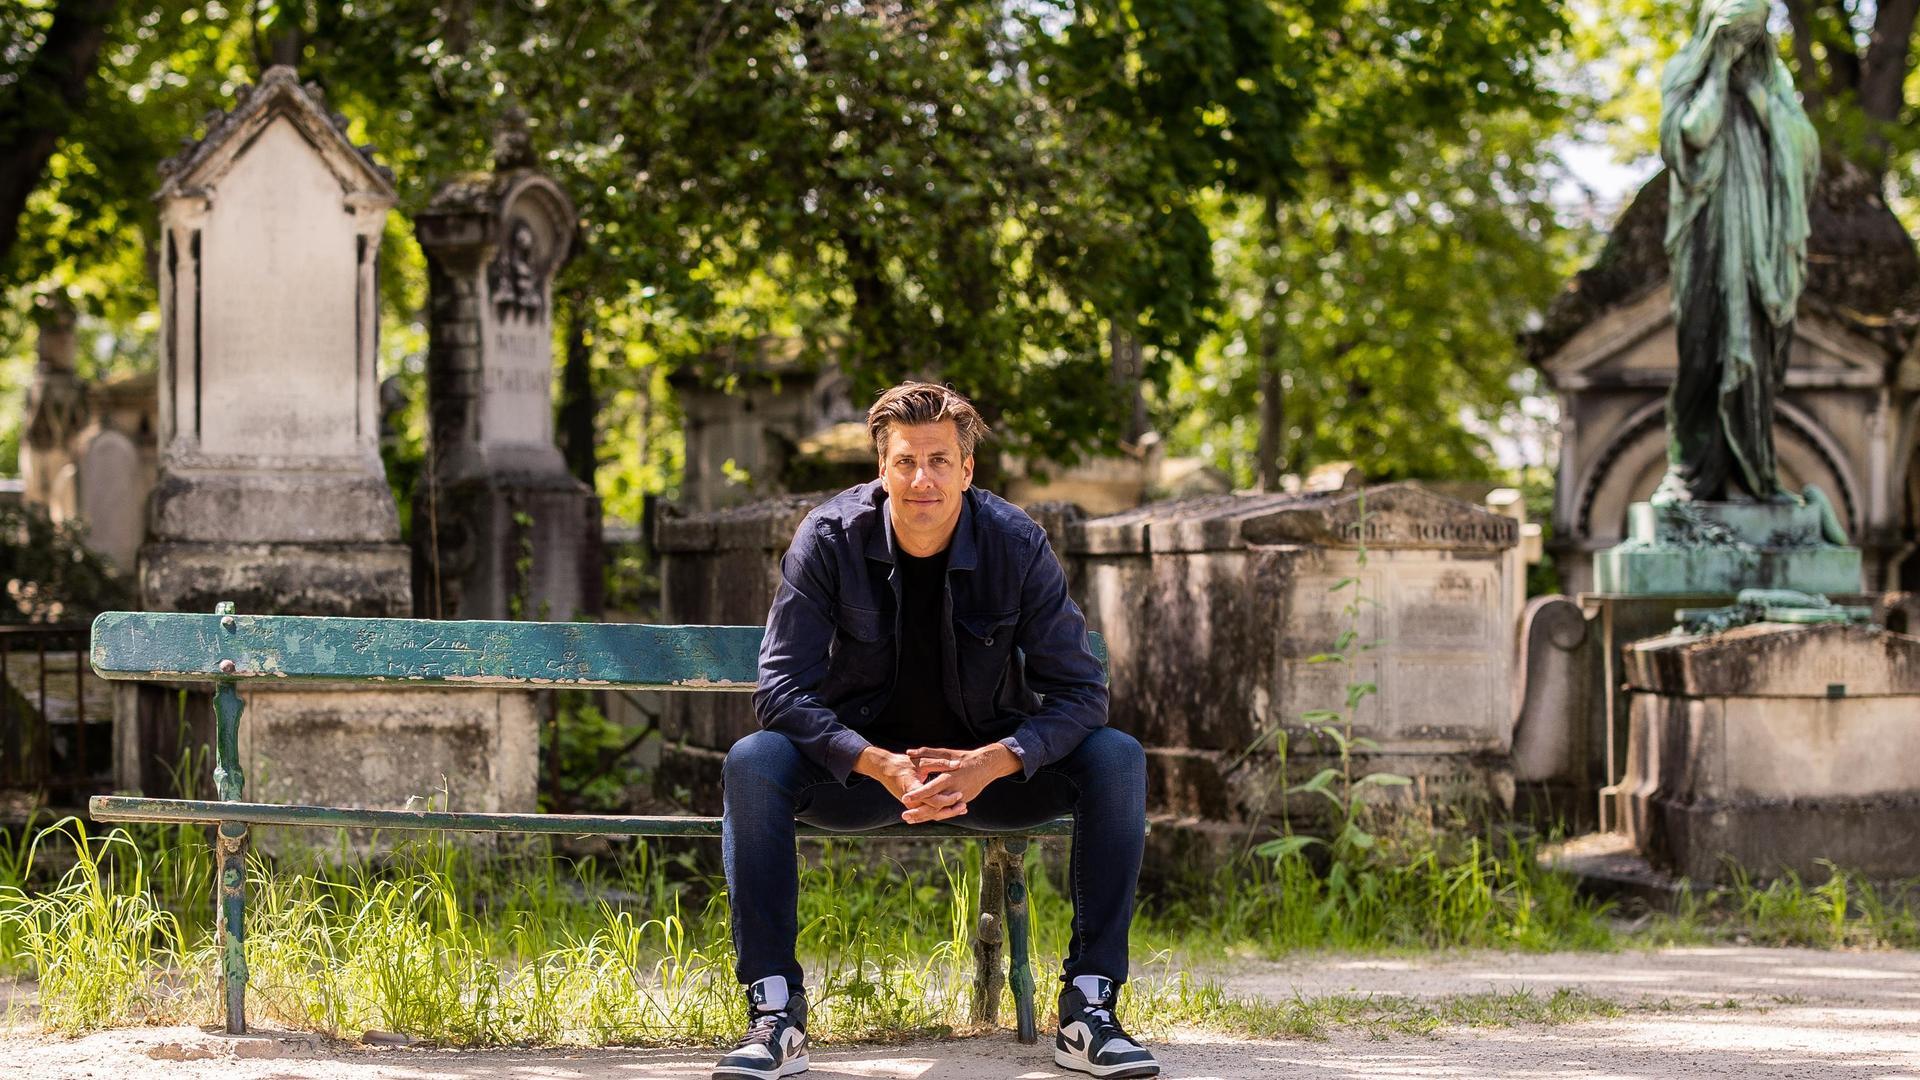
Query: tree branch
[(37, 111)]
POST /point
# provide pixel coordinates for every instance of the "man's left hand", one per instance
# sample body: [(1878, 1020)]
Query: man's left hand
[(963, 772)]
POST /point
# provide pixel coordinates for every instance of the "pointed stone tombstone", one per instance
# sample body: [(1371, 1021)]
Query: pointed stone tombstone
[(501, 529), (271, 490)]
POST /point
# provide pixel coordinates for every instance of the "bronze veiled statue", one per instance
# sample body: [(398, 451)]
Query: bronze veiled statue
[(1742, 158)]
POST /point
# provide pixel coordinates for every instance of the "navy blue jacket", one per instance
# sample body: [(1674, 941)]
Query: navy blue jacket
[(1015, 646)]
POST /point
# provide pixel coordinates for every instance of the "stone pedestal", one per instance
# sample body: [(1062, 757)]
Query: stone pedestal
[(1775, 747), (1214, 607), (471, 749), (501, 529), (271, 492), (1724, 548)]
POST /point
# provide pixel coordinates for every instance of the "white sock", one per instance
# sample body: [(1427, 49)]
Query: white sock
[(769, 994), (1096, 989)]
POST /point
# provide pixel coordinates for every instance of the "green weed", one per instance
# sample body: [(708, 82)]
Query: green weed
[(1843, 911)]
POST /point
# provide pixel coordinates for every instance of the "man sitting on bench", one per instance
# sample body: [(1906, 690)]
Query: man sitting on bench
[(921, 647)]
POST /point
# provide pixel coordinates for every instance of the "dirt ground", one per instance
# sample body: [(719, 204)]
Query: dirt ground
[(1710, 1012)]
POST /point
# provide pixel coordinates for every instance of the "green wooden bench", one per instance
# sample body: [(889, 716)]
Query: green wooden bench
[(226, 649)]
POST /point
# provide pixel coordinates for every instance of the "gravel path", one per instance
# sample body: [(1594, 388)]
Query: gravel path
[(1720, 1012)]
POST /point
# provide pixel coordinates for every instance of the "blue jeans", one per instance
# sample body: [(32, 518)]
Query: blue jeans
[(770, 785)]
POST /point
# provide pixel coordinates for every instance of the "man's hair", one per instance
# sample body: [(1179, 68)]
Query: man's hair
[(924, 403)]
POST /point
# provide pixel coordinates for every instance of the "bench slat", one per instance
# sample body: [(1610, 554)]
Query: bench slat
[(167, 645), (133, 808), (430, 652)]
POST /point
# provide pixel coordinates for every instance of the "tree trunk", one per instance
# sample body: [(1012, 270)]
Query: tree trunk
[(1807, 70), (37, 111), (1272, 409), (577, 407), (1884, 70)]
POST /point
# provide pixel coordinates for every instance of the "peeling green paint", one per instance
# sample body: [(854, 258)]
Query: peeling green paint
[(1020, 963), (228, 778), (168, 645)]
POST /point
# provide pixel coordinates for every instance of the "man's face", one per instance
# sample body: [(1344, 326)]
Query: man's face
[(924, 474)]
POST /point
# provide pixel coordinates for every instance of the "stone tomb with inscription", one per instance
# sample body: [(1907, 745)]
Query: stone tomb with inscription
[(1774, 748), (271, 491), (1213, 608), (503, 530)]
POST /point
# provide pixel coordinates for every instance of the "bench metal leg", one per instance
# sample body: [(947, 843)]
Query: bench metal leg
[(1020, 968), (232, 898), (230, 892), (990, 936)]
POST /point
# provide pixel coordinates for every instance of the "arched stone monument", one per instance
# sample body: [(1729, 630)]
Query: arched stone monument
[(271, 492), (501, 528)]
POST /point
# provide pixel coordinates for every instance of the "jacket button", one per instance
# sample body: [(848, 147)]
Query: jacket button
[(864, 710), (989, 641)]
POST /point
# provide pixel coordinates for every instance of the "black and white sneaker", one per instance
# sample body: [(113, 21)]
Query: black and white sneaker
[(775, 1044), (1091, 1040)]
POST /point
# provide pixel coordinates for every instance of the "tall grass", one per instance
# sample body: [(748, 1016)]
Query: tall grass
[(520, 945), (104, 949), (1476, 892)]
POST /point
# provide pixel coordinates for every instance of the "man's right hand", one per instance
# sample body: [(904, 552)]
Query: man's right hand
[(897, 773)]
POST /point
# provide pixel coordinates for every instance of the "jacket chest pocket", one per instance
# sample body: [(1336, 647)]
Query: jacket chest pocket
[(860, 644), (857, 628), (984, 643)]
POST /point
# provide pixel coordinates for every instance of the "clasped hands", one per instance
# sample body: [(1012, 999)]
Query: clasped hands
[(935, 784)]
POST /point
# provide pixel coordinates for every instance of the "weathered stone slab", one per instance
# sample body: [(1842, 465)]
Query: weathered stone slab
[(1768, 660), (463, 749), (1395, 516), (347, 579), (1214, 609), (1775, 747)]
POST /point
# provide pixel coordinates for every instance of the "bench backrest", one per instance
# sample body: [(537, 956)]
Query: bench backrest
[(425, 652)]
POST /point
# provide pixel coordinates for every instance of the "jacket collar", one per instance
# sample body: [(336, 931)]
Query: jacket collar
[(962, 550)]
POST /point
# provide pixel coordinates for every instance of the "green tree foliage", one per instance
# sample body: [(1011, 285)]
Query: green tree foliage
[(47, 575), (992, 193), (1384, 297)]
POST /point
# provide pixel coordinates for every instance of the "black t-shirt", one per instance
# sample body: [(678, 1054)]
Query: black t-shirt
[(918, 714)]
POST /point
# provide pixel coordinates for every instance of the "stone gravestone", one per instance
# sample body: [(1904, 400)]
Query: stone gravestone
[(1214, 607), (112, 489), (501, 529), (56, 411), (271, 491)]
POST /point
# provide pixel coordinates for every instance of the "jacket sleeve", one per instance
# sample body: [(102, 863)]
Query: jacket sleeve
[(793, 659), (1060, 667)]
